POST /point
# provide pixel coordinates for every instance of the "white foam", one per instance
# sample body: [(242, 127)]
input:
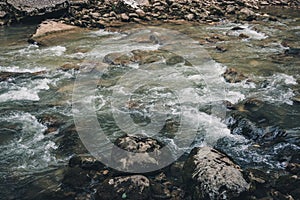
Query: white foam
[(33, 150), (25, 91), (18, 69), (278, 90), (248, 30), (34, 50)]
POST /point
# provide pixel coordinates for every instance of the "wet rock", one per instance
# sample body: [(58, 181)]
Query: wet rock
[(231, 75), (117, 59), (86, 162), (136, 187), (173, 60), (256, 130), (261, 184), (221, 49), (69, 66), (148, 154), (50, 32), (53, 123), (146, 57), (288, 185), (9, 76), (243, 36), (293, 51), (210, 174), (163, 188), (82, 180), (237, 28)]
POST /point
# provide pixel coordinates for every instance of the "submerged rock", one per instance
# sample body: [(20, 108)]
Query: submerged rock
[(210, 174), (50, 32), (7, 76)]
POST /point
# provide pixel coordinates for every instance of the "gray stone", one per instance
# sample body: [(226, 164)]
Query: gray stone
[(212, 175), (35, 7)]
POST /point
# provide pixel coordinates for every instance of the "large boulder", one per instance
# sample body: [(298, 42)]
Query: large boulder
[(210, 174), (50, 32)]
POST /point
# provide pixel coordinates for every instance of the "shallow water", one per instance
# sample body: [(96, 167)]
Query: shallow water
[(192, 91)]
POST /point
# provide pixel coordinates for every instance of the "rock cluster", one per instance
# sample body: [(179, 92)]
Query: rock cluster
[(113, 13), (99, 13)]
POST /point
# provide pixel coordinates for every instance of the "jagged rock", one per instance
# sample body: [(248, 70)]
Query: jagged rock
[(212, 175), (40, 9), (136, 187), (50, 32)]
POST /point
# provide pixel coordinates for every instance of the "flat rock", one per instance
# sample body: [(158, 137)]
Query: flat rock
[(49, 32)]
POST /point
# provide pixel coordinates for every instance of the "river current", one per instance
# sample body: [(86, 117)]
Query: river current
[(36, 117)]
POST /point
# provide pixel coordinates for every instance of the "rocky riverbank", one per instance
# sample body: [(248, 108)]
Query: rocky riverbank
[(103, 13)]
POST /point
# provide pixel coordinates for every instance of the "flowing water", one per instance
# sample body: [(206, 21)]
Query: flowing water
[(184, 81)]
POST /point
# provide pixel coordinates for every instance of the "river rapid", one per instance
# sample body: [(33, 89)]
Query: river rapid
[(260, 130)]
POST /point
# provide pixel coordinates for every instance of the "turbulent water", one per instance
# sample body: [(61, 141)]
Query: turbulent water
[(37, 95)]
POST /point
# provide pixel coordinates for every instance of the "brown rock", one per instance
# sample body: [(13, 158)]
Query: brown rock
[(140, 13), (49, 32), (189, 17), (231, 75), (124, 17)]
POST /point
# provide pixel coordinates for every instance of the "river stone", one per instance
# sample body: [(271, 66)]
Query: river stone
[(50, 31), (148, 154), (125, 187), (210, 174)]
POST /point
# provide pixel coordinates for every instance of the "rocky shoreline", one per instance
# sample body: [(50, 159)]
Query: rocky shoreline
[(105, 13)]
